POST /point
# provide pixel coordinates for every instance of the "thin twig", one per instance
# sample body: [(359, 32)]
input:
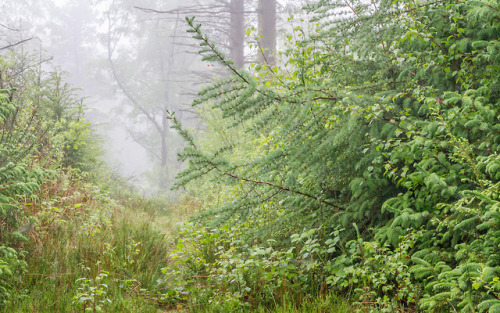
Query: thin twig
[(17, 43), (279, 187)]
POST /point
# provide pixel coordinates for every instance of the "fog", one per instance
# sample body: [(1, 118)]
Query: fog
[(131, 60)]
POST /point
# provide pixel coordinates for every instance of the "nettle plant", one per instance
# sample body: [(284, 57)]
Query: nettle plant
[(92, 291)]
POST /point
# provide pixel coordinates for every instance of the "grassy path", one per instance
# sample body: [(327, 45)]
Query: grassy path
[(88, 252)]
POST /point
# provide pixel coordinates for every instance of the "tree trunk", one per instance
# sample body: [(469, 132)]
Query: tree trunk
[(164, 134), (237, 31), (267, 31)]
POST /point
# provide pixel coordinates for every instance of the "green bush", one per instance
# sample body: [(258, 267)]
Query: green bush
[(382, 115)]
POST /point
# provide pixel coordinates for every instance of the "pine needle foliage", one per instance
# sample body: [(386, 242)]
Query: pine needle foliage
[(384, 116)]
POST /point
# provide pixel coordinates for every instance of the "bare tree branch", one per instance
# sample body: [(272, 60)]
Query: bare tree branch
[(17, 43), (10, 28), (120, 84), (140, 142)]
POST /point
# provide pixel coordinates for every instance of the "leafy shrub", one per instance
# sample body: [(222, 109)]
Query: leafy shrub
[(384, 116)]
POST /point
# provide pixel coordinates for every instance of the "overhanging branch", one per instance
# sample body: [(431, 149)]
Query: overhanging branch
[(280, 188)]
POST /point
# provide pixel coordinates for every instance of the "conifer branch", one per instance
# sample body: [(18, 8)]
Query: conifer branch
[(261, 51), (213, 165), (217, 53), (374, 6), (255, 203), (220, 57), (325, 98), (280, 188), (351, 7)]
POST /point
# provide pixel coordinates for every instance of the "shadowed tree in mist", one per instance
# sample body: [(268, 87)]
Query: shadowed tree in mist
[(266, 12), (224, 20), (148, 73), (237, 35)]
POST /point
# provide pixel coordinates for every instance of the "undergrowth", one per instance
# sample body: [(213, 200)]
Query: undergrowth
[(88, 253), (365, 164)]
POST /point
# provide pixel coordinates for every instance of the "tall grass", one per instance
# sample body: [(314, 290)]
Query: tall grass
[(88, 253), (325, 304)]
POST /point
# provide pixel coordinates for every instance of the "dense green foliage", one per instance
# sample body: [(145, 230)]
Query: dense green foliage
[(87, 253), (68, 243), (367, 164), (365, 167), (65, 244)]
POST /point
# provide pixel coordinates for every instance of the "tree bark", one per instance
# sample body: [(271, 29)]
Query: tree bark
[(237, 32), (267, 31)]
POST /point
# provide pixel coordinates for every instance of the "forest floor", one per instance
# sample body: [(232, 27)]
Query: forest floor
[(92, 252)]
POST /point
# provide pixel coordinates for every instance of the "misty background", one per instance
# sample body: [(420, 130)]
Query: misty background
[(132, 60)]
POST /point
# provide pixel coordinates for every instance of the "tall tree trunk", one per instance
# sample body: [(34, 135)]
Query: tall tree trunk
[(237, 31), (163, 136), (267, 30)]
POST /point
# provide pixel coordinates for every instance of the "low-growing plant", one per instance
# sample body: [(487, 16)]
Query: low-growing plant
[(12, 267), (88, 253), (92, 292), (376, 275)]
